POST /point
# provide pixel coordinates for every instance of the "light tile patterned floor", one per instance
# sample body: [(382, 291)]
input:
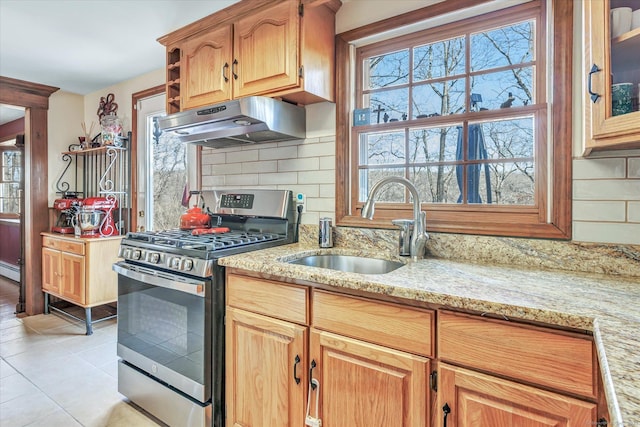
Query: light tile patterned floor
[(52, 374)]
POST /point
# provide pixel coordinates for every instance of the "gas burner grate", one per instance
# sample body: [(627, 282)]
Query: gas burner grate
[(183, 239)]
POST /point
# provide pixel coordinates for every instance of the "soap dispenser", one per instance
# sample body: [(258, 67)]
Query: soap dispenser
[(325, 233)]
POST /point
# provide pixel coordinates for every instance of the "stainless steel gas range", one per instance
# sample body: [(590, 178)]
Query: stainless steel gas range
[(171, 304)]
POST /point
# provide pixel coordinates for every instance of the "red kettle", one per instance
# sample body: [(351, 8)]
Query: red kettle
[(195, 218)]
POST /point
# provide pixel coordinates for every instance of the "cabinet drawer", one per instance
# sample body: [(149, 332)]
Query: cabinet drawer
[(286, 302), (562, 361), (390, 325), (63, 245)]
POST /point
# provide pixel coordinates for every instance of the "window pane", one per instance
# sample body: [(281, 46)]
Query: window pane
[(440, 59), (386, 70), (382, 148), (505, 139), (432, 144), (438, 99), (513, 44), (511, 88), (512, 183), (435, 184), (388, 105), (391, 193)]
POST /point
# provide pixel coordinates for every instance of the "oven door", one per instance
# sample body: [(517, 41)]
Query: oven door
[(164, 327)]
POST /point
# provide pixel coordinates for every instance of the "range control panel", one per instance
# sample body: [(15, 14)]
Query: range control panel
[(237, 201), (251, 203)]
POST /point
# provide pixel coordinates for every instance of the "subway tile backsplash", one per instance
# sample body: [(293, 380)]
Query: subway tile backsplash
[(302, 166), (606, 200)]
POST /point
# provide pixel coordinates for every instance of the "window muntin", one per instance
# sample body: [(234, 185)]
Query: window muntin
[(463, 159)]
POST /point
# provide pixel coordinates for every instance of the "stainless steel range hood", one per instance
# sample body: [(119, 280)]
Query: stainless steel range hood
[(249, 120)]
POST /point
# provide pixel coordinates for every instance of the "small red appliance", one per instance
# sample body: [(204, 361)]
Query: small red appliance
[(95, 219), (67, 208)]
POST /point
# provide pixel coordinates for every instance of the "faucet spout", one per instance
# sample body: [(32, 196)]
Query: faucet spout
[(419, 236)]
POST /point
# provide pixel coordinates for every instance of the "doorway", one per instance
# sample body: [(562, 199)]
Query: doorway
[(34, 98), (162, 166), (165, 168), (12, 200)]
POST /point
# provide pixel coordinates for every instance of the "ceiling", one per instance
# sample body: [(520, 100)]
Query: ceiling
[(83, 46)]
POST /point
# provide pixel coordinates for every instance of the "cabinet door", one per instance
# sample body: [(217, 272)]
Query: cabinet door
[(264, 359), (475, 399), (205, 71), (73, 279), (611, 121), (363, 384), (266, 47), (51, 261)]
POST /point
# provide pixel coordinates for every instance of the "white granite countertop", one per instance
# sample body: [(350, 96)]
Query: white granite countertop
[(608, 306)]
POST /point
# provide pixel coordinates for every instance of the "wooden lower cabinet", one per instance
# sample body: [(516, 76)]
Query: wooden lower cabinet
[(470, 399), (266, 378), (363, 384), (79, 270), (373, 363)]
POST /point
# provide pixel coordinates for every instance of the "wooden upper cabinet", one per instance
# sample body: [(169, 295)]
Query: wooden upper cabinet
[(266, 51), (205, 70), (280, 49), (608, 63)]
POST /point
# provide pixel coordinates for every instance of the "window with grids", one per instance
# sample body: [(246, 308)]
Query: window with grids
[(11, 173), (463, 110), (459, 115)]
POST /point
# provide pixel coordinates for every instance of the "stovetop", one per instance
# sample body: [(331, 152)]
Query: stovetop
[(178, 251), (184, 239), (256, 219)]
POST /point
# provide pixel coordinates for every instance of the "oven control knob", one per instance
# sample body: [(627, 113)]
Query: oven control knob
[(154, 257), (137, 254), (126, 253), (187, 265), (175, 263)]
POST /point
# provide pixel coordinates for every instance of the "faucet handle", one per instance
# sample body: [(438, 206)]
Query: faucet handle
[(404, 238)]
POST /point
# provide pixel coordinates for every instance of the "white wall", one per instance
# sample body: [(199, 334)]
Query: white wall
[(66, 112), (122, 93)]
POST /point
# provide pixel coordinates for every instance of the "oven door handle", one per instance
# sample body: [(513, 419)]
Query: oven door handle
[(189, 286)]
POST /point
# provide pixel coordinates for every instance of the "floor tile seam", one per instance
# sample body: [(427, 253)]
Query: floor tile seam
[(44, 392), (58, 406)]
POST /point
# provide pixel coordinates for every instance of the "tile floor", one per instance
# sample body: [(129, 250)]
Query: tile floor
[(52, 374)]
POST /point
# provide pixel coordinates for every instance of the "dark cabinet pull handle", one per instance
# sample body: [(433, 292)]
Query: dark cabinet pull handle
[(313, 365), (225, 67), (447, 410), (295, 367), (233, 69), (594, 96)]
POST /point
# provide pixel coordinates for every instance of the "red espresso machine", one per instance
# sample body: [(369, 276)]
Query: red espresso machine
[(67, 207), (95, 218)]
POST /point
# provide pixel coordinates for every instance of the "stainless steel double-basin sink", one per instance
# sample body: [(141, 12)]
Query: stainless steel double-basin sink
[(349, 263)]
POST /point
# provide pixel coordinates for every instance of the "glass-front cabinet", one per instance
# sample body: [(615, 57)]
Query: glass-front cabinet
[(612, 70)]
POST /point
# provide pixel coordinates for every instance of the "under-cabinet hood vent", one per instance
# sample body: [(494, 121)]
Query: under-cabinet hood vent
[(249, 120)]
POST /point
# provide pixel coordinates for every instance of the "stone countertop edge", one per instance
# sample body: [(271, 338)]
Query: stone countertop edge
[(592, 302)]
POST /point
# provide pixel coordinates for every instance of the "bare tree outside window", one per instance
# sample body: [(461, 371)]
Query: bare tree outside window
[(407, 89), (169, 179)]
